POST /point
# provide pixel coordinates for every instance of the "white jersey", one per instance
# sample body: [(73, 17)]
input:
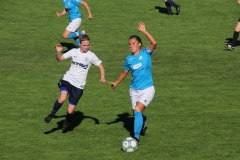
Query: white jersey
[(81, 62)]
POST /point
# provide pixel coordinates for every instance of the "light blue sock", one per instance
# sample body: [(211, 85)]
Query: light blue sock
[(74, 35), (138, 122), (77, 40)]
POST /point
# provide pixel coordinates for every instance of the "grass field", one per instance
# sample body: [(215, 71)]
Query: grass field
[(195, 111)]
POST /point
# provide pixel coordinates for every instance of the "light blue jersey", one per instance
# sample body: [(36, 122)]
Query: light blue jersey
[(141, 68), (72, 9)]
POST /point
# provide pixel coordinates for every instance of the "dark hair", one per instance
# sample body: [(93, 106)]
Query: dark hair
[(84, 37), (137, 38)]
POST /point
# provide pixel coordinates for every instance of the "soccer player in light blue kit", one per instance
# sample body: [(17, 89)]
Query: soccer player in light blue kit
[(141, 91), (75, 18)]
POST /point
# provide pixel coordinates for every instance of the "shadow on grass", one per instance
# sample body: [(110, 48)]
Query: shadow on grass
[(69, 46), (161, 9), (127, 121), (229, 41), (76, 120)]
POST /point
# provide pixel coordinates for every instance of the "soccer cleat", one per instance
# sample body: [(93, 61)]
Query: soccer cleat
[(136, 139), (144, 127), (65, 124), (229, 46), (178, 9), (48, 118), (170, 13)]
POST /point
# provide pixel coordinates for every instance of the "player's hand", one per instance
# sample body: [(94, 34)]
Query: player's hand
[(141, 27), (102, 80), (90, 17), (238, 1), (113, 85), (58, 14), (59, 47)]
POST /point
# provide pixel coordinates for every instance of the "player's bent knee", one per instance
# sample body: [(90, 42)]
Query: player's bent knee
[(65, 36), (61, 100)]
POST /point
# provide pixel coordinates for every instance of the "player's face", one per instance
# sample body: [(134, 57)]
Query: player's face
[(134, 45), (85, 45)]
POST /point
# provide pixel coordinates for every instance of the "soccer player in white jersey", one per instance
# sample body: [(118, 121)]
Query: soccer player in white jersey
[(74, 80), (75, 18), (141, 91)]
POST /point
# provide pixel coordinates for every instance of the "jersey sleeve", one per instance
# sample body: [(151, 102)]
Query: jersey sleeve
[(68, 54), (126, 65), (64, 3), (95, 60), (78, 2)]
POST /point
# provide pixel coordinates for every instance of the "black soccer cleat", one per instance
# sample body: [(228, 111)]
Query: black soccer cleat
[(65, 124), (136, 139), (178, 9), (143, 131), (48, 118), (170, 13), (229, 46)]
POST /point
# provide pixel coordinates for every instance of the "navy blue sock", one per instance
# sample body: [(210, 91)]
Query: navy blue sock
[(172, 3), (68, 116), (235, 37), (56, 107), (168, 6), (138, 122)]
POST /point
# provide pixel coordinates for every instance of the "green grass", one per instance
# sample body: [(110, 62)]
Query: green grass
[(195, 111)]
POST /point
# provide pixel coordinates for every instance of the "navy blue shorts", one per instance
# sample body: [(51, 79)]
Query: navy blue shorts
[(74, 93)]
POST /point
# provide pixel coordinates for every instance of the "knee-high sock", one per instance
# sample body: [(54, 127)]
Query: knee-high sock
[(172, 3), (56, 107), (69, 116), (74, 35), (235, 37), (168, 6), (138, 122), (77, 40)]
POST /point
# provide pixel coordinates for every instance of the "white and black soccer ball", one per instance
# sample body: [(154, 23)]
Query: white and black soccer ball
[(129, 144)]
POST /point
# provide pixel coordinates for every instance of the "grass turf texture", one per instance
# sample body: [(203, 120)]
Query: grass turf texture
[(195, 112)]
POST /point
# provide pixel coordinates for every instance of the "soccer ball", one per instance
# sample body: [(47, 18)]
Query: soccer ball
[(129, 144)]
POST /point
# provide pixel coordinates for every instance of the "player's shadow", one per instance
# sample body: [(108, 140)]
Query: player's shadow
[(69, 46), (229, 41), (162, 9), (76, 120), (127, 120)]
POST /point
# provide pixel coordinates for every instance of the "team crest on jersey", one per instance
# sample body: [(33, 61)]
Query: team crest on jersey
[(86, 59), (140, 58), (136, 66)]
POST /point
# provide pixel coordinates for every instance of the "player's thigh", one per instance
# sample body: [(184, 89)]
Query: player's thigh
[(63, 96), (134, 97), (146, 95), (74, 25), (75, 95)]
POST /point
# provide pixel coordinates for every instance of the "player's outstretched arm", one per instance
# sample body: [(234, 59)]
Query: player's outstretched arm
[(59, 55), (120, 78), (64, 11), (102, 72), (153, 42), (85, 4)]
